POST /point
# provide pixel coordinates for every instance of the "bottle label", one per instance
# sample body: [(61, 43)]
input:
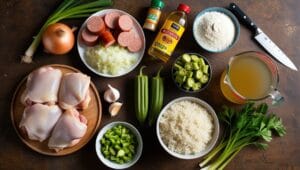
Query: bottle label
[(168, 37), (153, 16)]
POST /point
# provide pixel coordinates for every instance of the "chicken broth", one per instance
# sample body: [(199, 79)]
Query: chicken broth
[(249, 76)]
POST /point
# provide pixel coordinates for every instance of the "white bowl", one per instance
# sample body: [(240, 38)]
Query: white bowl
[(137, 28), (225, 12), (109, 163), (215, 134)]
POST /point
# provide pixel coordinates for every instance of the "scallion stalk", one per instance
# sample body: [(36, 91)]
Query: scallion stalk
[(68, 9)]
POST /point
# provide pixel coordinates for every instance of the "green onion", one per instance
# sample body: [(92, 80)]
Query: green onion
[(68, 9)]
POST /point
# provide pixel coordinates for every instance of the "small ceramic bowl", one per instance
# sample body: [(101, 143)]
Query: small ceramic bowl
[(204, 86), (109, 163), (227, 13), (81, 47), (211, 143)]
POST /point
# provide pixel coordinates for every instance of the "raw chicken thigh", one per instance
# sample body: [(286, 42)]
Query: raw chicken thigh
[(38, 120), (74, 91), (48, 92), (42, 86), (68, 131)]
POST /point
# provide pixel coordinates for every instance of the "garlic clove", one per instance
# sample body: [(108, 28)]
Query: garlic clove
[(111, 94), (114, 108)]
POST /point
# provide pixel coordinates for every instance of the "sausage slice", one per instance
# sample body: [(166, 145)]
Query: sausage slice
[(135, 45), (125, 23), (89, 38), (111, 20), (124, 38), (95, 24)]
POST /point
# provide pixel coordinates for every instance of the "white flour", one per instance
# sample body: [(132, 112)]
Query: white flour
[(214, 31)]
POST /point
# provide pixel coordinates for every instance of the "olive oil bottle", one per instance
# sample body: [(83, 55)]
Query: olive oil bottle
[(170, 34)]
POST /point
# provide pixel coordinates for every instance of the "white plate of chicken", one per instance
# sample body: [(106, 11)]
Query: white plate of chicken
[(56, 110)]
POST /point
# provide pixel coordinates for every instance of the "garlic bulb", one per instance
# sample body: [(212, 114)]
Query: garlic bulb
[(114, 108), (111, 94)]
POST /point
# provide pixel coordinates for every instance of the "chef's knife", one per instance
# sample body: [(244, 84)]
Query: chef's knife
[(262, 38)]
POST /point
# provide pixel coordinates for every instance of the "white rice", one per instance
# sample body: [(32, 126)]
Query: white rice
[(186, 127)]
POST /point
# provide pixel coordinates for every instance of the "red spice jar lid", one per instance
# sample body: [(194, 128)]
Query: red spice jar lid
[(183, 7)]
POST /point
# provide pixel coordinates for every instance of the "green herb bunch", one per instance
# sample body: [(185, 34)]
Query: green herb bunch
[(249, 126)]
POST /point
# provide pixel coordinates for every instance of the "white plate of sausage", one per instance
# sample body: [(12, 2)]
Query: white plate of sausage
[(111, 27)]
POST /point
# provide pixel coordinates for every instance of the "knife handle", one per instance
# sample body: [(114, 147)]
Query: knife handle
[(236, 10)]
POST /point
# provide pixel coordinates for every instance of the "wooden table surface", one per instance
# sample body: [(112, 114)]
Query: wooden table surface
[(280, 19)]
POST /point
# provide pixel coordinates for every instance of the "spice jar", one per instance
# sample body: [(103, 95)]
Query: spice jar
[(153, 16)]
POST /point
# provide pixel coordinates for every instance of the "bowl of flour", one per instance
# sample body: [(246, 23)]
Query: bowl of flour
[(216, 29)]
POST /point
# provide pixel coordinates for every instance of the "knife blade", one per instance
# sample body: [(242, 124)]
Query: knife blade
[(262, 38)]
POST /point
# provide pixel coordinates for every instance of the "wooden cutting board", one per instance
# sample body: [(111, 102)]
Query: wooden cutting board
[(93, 114)]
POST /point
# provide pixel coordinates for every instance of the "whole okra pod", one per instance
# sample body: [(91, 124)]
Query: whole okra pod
[(141, 96), (157, 96)]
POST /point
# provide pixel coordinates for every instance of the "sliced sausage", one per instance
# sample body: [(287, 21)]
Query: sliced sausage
[(124, 38), (125, 23), (95, 24), (89, 38), (111, 20), (135, 43), (107, 38)]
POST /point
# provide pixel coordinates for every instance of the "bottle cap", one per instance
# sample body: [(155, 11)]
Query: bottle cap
[(157, 3), (183, 7)]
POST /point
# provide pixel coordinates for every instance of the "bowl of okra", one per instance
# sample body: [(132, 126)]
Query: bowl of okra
[(191, 72), (119, 145)]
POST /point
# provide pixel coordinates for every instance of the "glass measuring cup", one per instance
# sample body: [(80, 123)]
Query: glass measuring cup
[(250, 76)]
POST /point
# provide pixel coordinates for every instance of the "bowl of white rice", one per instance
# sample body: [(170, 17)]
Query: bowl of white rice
[(216, 29), (187, 128)]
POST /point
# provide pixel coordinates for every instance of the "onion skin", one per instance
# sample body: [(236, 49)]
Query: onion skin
[(58, 39)]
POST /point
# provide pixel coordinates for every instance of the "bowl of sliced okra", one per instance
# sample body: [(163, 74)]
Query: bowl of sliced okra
[(191, 72), (119, 145)]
